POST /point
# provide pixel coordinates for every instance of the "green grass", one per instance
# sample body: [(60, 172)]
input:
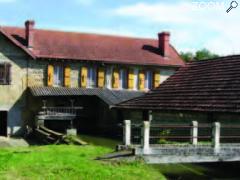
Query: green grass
[(68, 162)]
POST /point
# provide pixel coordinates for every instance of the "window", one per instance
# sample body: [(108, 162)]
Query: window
[(148, 80), (101, 77), (92, 77), (109, 77), (58, 76), (123, 79), (130, 79), (84, 73), (141, 80), (67, 76), (115, 78), (156, 79), (5, 74)]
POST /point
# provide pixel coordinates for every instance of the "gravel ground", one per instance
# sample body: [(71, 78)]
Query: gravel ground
[(12, 142)]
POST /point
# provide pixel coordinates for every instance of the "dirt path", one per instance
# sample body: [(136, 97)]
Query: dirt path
[(12, 142)]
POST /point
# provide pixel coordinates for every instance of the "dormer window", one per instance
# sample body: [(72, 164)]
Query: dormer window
[(5, 74)]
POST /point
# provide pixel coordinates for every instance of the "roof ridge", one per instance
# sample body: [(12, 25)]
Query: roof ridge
[(85, 33), (220, 58)]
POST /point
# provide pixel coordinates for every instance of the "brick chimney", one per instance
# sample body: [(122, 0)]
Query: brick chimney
[(29, 33), (163, 43)]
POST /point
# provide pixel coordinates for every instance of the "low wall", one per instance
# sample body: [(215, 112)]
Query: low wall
[(189, 154)]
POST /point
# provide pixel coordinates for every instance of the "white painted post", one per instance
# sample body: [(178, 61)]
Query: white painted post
[(146, 136), (216, 136), (127, 133), (194, 133)]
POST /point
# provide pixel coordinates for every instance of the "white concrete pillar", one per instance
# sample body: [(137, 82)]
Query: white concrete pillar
[(194, 133), (127, 133), (146, 136), (216, 135)]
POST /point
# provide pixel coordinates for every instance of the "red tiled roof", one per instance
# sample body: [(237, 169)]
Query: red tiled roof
[(208, 86), (82, 46)]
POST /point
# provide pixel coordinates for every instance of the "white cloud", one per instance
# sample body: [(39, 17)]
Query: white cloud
[(207, 25), (159, 12)]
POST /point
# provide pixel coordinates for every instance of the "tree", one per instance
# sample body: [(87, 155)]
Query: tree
[(199, 55), (187, 56)]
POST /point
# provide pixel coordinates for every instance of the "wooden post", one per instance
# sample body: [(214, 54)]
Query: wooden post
[(127, 133), (216, 136), (194, 133)]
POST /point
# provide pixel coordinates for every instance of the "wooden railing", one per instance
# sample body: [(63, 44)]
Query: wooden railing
[(52, 111)]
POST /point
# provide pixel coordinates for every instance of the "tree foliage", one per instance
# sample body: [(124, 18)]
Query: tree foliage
[(199, 55)]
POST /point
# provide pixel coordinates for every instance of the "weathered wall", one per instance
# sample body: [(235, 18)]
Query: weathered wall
[(13, 96), (38, 72)]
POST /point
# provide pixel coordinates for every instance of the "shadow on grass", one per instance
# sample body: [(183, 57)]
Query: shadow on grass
[(201, 171), (100, 141)]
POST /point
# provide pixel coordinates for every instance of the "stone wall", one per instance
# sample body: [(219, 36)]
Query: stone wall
[(37, 75), (13, 96)]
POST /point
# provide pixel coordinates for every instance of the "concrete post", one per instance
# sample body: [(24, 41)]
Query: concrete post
[(216, 136), (194, 133), (127, 133), (145, 136)]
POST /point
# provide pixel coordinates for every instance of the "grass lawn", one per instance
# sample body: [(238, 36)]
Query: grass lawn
[(68, 162)]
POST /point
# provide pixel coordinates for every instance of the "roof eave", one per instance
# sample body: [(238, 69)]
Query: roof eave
[(108, 61)]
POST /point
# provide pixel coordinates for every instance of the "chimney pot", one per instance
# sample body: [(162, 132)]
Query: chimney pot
[(29, 33), (164, 45)]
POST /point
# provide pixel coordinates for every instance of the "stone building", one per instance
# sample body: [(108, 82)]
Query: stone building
[(53, 76)]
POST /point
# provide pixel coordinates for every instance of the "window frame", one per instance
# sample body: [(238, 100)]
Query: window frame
[(7, 78), (60, 74), (101, 70), (149, 79), (123, 78), (92, 77)]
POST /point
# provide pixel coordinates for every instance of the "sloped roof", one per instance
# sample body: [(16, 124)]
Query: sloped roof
[(111, 97), (83, 46), (17, 43), (209, 86)]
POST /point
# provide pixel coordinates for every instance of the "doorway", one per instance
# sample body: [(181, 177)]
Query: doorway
[(3, 123)]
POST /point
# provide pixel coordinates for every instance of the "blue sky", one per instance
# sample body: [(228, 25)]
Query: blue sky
[(194, 24)]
